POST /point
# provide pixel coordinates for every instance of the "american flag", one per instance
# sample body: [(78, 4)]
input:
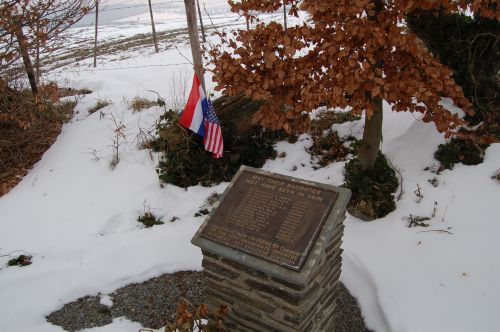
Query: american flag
[(213, 133)]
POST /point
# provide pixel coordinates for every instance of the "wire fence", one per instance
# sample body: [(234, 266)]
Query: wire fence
[(106, 9), (84, 35), (129, 67)]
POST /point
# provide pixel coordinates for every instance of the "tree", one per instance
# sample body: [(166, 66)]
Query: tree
[(354, 53), (31, 26)]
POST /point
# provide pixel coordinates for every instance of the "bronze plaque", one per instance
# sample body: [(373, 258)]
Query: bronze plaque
[(270, 217)]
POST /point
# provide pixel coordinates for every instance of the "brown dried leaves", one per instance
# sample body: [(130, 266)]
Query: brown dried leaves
[(345, 59)]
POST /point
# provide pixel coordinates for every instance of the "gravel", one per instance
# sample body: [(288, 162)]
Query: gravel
[(83, 313), (347, 314), (153, 304)]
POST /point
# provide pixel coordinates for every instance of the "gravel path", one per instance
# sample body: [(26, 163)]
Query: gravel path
[(153, 304)]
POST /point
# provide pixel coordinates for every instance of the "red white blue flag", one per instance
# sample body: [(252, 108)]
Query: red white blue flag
[(192, 116), (199, 116)]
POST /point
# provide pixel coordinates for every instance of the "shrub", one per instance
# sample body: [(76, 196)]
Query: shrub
[(325, 120), (185, 162), (27, 130), (192, 318), (149, 219), (189, 164), (469, 46), (459, 151), (21, 260), (372, 190), (209, 202), (327, 146)]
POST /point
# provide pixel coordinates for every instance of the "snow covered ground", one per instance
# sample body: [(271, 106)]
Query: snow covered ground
[(77, 216)]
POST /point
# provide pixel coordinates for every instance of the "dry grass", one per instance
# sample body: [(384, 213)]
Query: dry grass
[(327, 146), (101, 103), (138, 104), (67, 92), (325, 120), (26, 132)]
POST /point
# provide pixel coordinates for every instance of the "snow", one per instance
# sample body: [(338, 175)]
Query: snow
[(119, 325), (106, 300), (77, 216)]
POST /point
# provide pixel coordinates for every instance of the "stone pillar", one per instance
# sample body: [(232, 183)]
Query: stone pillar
[(265, 296)]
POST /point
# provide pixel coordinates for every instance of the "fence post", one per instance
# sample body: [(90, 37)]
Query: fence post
[(201, 21), (284, 12), (246, 18), (153, 26), (95, 36)]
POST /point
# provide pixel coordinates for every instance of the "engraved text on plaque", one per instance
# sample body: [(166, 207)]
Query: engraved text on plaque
[(270, 217)]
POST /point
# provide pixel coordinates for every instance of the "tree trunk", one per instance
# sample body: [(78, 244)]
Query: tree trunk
[(38, 74), (28, 66), (372, 136), (372, 133)]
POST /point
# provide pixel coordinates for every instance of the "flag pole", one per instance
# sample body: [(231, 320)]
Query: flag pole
[(194, 40)]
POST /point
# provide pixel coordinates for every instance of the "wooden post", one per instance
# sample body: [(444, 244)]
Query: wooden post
[(95, 37), (153, 26), (194, 40), (28, 66), (201, 21), (284, 12)]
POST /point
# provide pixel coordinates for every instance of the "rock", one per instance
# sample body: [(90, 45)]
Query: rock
[(239, 110), (231, 110)]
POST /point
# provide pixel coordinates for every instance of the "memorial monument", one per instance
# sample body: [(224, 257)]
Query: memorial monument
[(271, 252)]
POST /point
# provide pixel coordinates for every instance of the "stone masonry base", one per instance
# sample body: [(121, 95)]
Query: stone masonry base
[(259, 301)]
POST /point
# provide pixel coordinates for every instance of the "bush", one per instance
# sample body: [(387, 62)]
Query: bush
[(185, 162), (327, 146), (326, 119), (27, 130), (459, 151), (192, 318), (189, 164), (372, 190), (21, 260), (469, 46), (149, 219)]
